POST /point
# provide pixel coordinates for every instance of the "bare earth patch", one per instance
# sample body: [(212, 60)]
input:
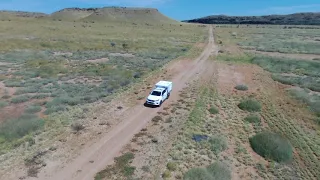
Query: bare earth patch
[(127, 55), (102, 60), (62, 53)]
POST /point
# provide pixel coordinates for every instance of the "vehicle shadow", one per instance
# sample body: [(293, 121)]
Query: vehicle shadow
[(149, 106)]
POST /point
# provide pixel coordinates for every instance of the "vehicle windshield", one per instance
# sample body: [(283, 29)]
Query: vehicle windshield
[(156, 93)]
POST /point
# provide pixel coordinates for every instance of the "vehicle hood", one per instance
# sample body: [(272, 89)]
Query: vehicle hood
[(154, 98)]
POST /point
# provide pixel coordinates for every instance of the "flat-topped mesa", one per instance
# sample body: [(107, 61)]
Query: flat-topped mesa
[(123, 14), (104, 14)]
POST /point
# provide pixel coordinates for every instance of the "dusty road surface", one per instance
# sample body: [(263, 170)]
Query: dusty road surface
[(103, 152)]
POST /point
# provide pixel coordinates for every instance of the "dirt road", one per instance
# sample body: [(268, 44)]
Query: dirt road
[(104, 150)]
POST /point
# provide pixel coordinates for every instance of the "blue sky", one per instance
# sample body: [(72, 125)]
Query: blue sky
[(176, 9)]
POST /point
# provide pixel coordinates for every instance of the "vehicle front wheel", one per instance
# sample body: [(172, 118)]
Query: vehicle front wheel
[(160, 104)]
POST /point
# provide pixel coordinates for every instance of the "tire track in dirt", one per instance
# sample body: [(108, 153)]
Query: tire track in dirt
[(104, 150)]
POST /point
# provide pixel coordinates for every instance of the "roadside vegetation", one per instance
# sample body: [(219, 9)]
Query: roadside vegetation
[(250, 105), (121, 170), (50, 67), (282, 121), (216, 170)]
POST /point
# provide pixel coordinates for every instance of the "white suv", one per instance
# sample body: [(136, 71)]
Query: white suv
[(160, 93)]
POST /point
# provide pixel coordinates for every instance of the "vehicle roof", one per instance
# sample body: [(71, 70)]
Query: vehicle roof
[(159, 89), (163, 83)]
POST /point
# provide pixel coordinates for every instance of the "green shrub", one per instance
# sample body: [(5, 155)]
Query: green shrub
[(312, 100), (172, 166), (27, 90), (128, 171), (13, 83), (216, 171), (17, 128), (197, 174), (3, 104), (318, 120), (20, 99), (309, 82), (250, 105), (272, 146), (253, 119), (213, 110), (166, 174), (219, 170), (120, 168), (124, 159), (217, 144), (40, 96), (54, 109), (241, 87), (33, 109), (285, 65)]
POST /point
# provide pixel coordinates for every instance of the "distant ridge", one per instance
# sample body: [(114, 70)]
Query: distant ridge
[(106, 14), (308, 18), (4, 15)]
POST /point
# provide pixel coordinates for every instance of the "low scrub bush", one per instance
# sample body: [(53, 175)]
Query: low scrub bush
[(40, 96), (241, 87), (20, 99), (219, 171), (166, 174), (232, 58), (216, 171), (253, 118), (3, 104), (312, 100), (13, 83), (33, 109), (283, 65), (77, 127), (121, 168), (317, 120), (311, 83), (217, 144), (172, 166), (27, 90), (197, 174), (54, 109), (214, 110), (18, 128), (250, 105), (272, 146)]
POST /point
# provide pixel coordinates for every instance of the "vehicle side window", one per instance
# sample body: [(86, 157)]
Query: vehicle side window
[(164, 91)]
